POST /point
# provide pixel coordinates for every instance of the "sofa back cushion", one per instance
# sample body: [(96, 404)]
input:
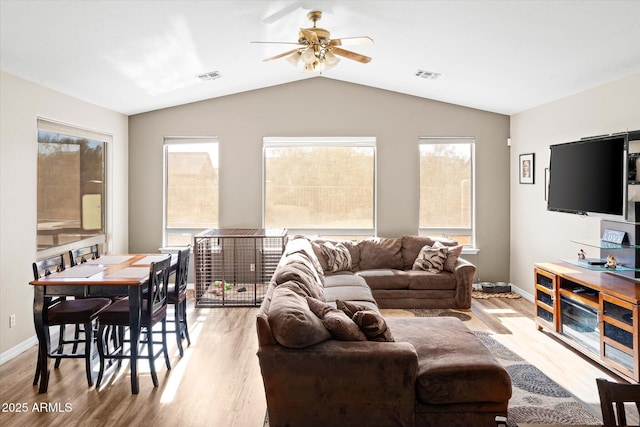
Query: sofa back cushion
[(297, 268), (301, 244), (292, 322), (380, 252)]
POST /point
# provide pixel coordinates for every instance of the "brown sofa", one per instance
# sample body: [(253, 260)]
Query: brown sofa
[(386, 264), (348, 366)]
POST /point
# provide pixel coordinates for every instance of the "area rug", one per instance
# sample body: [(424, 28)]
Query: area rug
[(485, 295)]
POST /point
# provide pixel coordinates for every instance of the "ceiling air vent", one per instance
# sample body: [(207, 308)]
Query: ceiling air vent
[(210, 76), (427, 74)]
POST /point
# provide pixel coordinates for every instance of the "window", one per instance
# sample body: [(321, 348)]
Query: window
[(447, 188), (71, 189), (191, 188), (323, 186)]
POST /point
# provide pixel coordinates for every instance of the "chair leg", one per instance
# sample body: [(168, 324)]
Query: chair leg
[(36, 377), (183, 313), (178, 327), (60, 348), (164, 344), (76, 337), (151, 356), (88, 347), (102, 331)]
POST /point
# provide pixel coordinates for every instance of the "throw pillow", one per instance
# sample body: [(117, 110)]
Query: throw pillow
[(453, 252), (350, 308), (341, 327), (431, 258), (292, 322), (373, 325), (337, 256)]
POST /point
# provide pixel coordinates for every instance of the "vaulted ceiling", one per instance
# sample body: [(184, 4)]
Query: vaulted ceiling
[(504, 56)]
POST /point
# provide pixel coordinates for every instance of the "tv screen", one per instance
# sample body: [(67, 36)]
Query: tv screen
[(588, 176)]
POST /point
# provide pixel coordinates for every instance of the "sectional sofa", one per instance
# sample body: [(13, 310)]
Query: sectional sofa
[(328, 358)]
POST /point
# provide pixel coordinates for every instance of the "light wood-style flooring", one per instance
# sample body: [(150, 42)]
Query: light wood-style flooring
[(218, 382)]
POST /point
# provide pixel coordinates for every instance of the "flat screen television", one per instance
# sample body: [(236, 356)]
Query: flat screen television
[(589, 177)]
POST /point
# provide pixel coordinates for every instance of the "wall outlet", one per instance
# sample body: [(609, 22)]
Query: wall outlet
[(252, 267), (12, 320)]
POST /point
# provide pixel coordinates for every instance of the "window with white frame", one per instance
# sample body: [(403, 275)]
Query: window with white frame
[(447, 188), (71, 185), (191, 188), (320, 186)]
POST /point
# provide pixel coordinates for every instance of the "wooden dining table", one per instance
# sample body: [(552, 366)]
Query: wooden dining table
[(107, 276)]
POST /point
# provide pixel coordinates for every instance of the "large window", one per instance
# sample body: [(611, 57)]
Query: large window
[(447, 188), (71, 189), (191, 188), (322, 186)]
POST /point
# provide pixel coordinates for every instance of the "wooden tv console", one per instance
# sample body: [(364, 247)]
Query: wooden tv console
[(594, 312)]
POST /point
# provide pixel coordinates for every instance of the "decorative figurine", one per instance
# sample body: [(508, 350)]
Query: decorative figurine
[(611, 262), (582, 254)]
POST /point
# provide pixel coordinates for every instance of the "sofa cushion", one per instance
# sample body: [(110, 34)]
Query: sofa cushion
[(380, 253), (411, 246), (298, 268), (341, 326), (373, 325), (450, 371), (431, 258), (337, 256), (292, 322), (303, 245), (453, 253), (385, 278), (424, 280), (349, 293)]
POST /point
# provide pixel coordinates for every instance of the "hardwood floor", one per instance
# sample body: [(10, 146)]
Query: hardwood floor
[(218, 382)]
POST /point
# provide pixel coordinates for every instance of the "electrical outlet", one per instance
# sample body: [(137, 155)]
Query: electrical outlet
[(252, 267), (12, 320)]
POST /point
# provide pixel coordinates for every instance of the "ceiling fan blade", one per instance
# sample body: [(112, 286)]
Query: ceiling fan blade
[(351, 41), (296, 43), (311, 36), (280, 55), (351, 55)]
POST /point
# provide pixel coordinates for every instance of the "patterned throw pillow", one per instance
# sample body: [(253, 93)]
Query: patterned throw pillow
[(431, 258), (373, 325), (350, 308), (453, 252), (337, 256), (337, 322)]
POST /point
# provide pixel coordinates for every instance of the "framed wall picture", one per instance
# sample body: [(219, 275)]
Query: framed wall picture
[(526, 168)]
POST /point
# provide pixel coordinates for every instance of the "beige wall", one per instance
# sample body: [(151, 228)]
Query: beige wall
[(538, 235), (20, 105), (324, 107)]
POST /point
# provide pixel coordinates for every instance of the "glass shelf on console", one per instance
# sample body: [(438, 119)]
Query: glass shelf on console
[(603, 244), (618, 269)]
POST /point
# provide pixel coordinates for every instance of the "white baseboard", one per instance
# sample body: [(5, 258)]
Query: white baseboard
[(524, 294), (17, 350)]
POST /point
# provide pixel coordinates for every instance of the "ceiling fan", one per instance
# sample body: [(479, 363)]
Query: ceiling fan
[(317, 51)]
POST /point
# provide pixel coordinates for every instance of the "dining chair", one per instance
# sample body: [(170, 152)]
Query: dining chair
[(615, 393), (62, 312), (177, 297), (153, 311), (84, 254)]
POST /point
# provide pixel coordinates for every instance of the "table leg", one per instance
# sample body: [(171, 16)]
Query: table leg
[(135, 305), (42, 332)]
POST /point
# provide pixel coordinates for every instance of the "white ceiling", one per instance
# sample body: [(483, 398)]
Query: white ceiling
[(504, 56)]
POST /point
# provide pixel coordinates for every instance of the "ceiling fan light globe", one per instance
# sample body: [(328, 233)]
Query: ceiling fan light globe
[(308, 56), (294, 59), (330, 59)]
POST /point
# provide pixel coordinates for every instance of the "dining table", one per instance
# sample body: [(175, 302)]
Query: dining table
[(122, 275)]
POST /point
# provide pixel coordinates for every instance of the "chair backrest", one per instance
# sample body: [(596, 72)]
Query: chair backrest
[(182, 271), (158, 284), (84, 254), (46, 266), (614, 393)]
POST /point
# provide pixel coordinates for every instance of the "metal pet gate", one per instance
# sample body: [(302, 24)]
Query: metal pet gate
[(233, 266)]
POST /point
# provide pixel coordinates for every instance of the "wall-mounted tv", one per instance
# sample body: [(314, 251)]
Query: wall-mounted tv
[(589, 177)]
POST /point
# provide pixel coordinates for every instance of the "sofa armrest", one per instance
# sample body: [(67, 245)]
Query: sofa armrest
[(464, 273), (339, 383)]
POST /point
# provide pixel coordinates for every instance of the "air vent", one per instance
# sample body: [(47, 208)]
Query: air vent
[(427, 74), (210, 76)]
